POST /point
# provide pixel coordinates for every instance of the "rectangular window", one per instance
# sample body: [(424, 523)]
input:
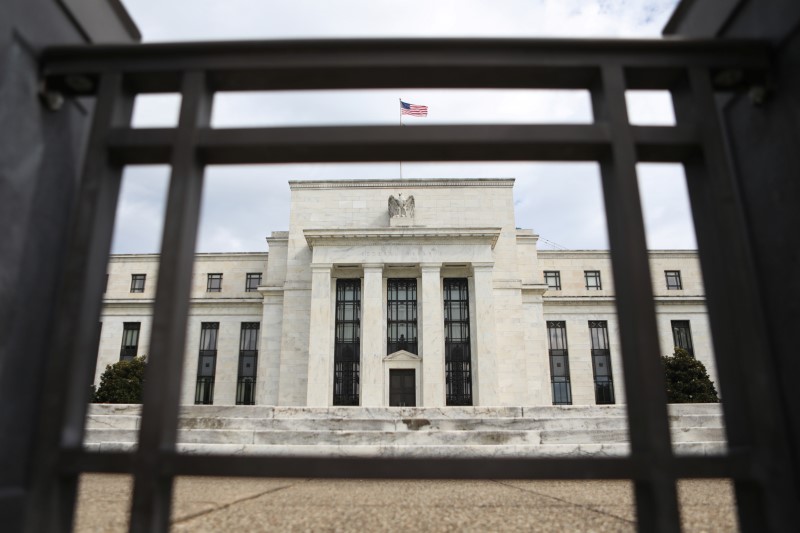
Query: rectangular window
[(252, 282), (105, 287), (206, 364), (457, 355), (559, 362), (137, 282), (347, 345), (214, 283), (248, 363), (601, 362), (553, 279), (673, 280), (592, 280), (682, 335), (401, 315), (130, 341)]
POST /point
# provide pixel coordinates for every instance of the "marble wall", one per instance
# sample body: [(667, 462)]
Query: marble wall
[(460, 228)]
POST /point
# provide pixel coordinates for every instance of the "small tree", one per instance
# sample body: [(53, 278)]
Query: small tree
[(687, 379), (122, 382)]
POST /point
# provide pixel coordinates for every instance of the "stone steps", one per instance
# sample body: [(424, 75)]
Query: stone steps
[(436, 432), (326, 450), (406, 424)]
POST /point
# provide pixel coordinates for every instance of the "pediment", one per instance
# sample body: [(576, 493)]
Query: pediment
[(402, 355)]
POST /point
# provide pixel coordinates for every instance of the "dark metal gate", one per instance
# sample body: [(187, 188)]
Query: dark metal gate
[(694, 71)]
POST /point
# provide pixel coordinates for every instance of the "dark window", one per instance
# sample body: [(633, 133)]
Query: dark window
[(401, 315), (457, 355), (207, 363), (601, 363), (553, 279), (105, 287), (130, 341), (347, 347), (559, 363), (252, 282), (248, 363), (682, 335), (214, 283), (592, 280), (673, 279), (137, 282)]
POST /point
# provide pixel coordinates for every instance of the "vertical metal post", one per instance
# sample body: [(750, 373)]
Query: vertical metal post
[(73, 354), (656, 496), (753, 411), (152, 493)]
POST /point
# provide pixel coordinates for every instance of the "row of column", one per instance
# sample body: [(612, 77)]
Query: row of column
[(321, 341)]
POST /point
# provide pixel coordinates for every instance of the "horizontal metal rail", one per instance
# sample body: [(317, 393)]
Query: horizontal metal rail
[(433, 63), (729, 466), (589, 142)]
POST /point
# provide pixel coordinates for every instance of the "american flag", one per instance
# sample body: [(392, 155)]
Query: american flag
[(413, 110)]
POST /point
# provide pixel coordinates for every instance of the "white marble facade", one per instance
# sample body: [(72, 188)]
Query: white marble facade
[(451, 229)]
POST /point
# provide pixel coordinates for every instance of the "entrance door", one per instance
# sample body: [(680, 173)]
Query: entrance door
[(402, 388)]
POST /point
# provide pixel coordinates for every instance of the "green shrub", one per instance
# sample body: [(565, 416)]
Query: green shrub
[(687, 379), (122, 382)]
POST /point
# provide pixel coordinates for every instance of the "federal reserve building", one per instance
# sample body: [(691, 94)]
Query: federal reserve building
[(415, 292)]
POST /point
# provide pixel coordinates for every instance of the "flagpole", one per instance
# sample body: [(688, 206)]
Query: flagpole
[(401, 125)]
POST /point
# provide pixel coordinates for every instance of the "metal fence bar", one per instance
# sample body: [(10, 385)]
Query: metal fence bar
[(754, 414), (152, 493), (73, 354), (392, 63), (509, 142), (656, 496), (734, 466)]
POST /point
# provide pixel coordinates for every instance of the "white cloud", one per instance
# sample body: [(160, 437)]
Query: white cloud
[(242, 205)]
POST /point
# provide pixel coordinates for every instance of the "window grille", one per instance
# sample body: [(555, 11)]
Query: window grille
[(673, 280), (401, 315), (207, 364), (214, 283), (682, 335), (252, 281), (130, 341), (248, 364), (457, 353), (559, 363), (592, 280), (347, 346), (553, 279), (601, 362), (137, 282), (694, 71)]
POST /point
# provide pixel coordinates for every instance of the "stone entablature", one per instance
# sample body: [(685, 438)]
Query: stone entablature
[(401, 236)]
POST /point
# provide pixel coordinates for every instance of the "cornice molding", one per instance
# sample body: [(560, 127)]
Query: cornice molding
[(401, 235), (296, 185)]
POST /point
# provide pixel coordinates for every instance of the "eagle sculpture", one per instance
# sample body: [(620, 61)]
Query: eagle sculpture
[(401, 207)]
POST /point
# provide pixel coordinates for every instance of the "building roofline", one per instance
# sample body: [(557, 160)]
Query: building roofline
[(400, 183)]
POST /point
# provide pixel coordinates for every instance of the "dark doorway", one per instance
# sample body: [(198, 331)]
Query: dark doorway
[(402, 388)]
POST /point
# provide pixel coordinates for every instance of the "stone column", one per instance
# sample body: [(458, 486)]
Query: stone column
[(432, 336), (320, 347), (484, 362), (372, 349), (269, 347)]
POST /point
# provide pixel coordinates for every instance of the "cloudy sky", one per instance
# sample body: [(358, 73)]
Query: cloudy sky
[(243, 204)]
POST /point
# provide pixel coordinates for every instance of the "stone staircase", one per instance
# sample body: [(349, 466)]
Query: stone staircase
[(697, 429)]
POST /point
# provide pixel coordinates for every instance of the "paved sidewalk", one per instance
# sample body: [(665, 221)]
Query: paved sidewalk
[(229, 504)]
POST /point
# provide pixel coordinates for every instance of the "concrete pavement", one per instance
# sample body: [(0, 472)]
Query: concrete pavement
[(230, 504)]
